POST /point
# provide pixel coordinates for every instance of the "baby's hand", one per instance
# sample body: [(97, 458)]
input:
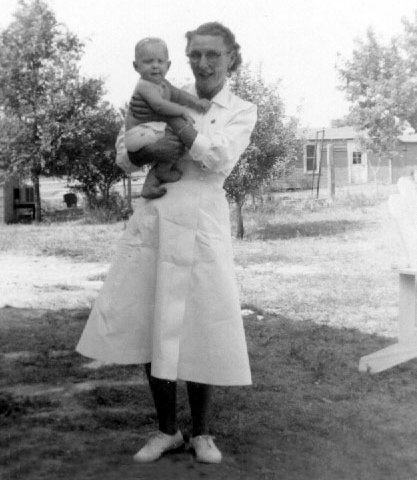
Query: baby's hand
[(187, 117), (204, 105)]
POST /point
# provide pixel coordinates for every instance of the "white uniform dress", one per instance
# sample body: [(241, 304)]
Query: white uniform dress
[(170, 297)]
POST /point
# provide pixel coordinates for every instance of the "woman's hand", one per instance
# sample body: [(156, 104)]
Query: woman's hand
[(141, 111), (169, 148), (188, 118), (185, 130), (204, 105)]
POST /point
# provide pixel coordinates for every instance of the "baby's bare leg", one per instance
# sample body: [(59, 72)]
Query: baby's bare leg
[(166, 172), (152, 186)]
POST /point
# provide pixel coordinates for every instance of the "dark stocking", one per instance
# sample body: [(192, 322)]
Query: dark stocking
[(164, 393), (199, 396)]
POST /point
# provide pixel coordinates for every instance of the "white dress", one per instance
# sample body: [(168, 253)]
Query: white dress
[(170, 297)]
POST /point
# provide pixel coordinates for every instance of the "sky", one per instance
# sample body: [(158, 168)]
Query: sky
[(294, 41)]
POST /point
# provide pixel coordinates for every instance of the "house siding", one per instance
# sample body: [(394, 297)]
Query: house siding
[(403, 163), (2, 204), (7, 210), (9, 214), (410, 159)]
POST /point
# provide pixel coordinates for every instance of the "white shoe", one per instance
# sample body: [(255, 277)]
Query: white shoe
[(158, 443), (205, 449)]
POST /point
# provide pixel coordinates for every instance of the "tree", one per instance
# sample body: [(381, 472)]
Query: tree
[(405, 92), (87, 150), (371, 80), (273, 142), (380, 81), (40, 89)]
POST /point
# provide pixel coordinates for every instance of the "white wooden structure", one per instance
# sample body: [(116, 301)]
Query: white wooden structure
[(403, 207)]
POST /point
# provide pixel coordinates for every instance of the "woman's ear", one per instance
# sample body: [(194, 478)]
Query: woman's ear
[(232, 59)]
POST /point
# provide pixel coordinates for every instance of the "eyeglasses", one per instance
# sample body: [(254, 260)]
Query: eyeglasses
[(212, 56)]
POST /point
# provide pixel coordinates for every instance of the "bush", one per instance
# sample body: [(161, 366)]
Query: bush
[(359, 200), (111, 210)]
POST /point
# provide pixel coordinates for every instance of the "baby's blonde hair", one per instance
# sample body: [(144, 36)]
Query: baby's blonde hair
[(149, 41)]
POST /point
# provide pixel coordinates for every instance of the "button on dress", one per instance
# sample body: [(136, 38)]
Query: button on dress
[(170, 297)]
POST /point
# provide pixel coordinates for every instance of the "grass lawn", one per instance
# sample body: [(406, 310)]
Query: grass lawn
[(318, 282)]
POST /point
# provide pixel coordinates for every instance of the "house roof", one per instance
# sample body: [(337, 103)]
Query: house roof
[(344, 133), (338, 133), (408, 138)]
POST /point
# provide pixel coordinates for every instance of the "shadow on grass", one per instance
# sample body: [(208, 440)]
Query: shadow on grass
[(304, 229), (308, 415)]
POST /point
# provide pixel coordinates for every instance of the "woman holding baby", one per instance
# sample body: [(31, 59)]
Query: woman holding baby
[(170, 300)]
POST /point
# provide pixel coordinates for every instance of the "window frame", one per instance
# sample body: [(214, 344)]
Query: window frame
[(355, 154), (315, 158)]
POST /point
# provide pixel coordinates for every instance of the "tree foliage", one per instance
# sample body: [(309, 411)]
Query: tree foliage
[(273, 141), (405, 92), (371, 81), (45, 102), (87, 149), (380, 82)]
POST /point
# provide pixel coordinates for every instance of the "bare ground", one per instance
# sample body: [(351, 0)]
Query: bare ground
[(48, 282), (309, 414)]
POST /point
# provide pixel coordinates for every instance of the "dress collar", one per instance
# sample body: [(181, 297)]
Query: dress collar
[(221, 98)]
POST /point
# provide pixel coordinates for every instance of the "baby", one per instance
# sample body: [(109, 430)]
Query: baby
[(152, 63)]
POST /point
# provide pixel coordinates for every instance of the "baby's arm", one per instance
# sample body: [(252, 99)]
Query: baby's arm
[(184, 98), (152, 96)]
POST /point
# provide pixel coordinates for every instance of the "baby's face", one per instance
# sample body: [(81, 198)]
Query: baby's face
[(152, 62)]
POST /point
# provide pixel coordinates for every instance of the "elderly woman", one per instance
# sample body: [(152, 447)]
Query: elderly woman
[(170, 300)]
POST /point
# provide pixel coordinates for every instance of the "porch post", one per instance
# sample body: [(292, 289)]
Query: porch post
[(129, 191), (331, 177), (390, 170)]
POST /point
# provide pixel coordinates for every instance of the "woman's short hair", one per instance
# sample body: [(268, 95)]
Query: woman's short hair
[(216, 29)]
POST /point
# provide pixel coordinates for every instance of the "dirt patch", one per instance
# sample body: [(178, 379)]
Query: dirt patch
[(309, 415), (48, 282)]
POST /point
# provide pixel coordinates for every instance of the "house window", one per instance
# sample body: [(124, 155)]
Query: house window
[(310, 158), (29, 194), (356, 158)]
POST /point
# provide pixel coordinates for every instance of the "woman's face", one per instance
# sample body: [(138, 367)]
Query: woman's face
[(210, 61)]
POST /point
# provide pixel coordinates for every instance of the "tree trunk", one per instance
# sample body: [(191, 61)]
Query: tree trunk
[(36, 169), (240, 229), (37, 197), (376, 175), (105, 194)]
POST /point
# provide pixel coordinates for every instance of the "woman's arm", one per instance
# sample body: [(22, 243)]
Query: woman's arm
[(219, 150), (168, 148), (184, 130), (184, 98)]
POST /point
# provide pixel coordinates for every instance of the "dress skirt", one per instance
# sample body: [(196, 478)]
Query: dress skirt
[(170, 297)]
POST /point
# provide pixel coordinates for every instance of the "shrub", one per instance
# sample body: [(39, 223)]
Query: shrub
[(359, 200), (110, 210)]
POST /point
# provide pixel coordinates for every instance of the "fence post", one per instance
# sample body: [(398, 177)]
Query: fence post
[(129, 191), (331, 178)]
